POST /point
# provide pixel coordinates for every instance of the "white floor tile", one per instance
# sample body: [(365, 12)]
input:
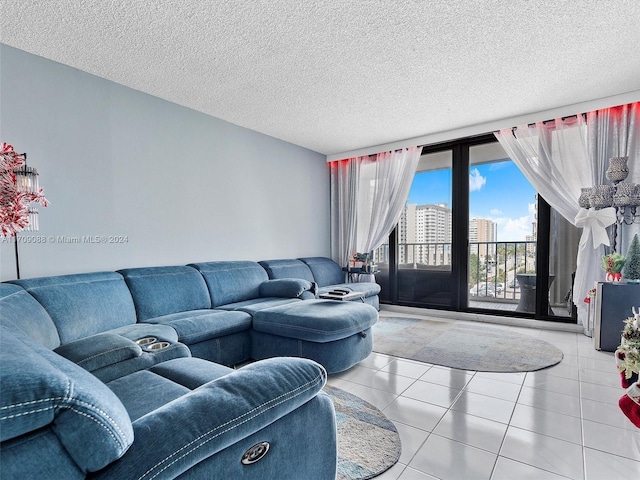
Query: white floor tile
[(544, 381), (376, 361), (516, 377), (432, 393), (393, 473), (564, 427), (507, 469), (599, 378), (601, 393), (449, 460), (563, 370), (543, 452), (493, 388), (449, 377), (412, 439), (424, 416), (617, 441), (388, 382), (490, 408), (378, 398), (406, 368), (413, 474), (471, 430), (555, 402), (607, 413), (601, 465)]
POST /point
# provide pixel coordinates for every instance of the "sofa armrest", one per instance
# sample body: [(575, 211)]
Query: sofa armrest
[(286, 287), (100, 350), (182, 433)]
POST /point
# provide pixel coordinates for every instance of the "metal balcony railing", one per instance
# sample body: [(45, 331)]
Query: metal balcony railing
[(492, 268)]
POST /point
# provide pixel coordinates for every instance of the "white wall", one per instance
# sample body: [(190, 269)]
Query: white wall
[(181, 186)]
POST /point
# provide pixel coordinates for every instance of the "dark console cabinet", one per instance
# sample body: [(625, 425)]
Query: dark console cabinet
[(613, 303)]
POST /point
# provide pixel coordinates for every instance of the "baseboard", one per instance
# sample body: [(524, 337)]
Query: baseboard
[(477, 317)]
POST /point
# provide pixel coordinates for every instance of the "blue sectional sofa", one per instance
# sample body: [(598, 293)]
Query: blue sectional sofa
[(324, 272), (130, 374)]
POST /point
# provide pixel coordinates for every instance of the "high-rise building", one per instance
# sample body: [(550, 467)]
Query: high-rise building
[(484, 232), (425, 235)]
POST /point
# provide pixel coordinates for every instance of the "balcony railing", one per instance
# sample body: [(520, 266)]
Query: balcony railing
[(492, 269)]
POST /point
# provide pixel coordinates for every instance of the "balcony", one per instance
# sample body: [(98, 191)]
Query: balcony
[(424, 275)]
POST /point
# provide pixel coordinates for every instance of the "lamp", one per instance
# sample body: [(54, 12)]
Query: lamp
[(19, 189), (623, 197)]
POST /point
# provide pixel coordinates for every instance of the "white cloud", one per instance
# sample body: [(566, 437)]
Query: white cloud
[(516, 229), (476, 181), (495, 211)]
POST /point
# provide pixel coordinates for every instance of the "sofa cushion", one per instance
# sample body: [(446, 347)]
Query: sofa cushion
[(83, 304), (99, 351), (144, 391), (252, 306), (231, 282), (316, 320), (287, 268), (200, 325), (20, 310), (325, 270), (41, 388), (160, 291), (191, 372), (285, 287)]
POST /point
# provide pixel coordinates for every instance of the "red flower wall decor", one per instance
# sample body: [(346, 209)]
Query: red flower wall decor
[(14, 201)]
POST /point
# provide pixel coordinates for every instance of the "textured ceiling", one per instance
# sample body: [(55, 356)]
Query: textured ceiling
[(334, 75)]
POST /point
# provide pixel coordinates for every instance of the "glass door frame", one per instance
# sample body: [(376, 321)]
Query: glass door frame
[(460, 241)]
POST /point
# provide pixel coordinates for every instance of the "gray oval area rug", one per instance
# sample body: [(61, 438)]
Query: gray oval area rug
[(462, 346), (368, 442)]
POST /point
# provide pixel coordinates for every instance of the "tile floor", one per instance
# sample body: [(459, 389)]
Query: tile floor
[(557, 423)]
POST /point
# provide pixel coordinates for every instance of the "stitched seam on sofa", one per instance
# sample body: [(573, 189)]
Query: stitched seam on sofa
[(90, 406), (28, 413), (22, 404), (103, 353), (300, 390), (93, 408), (50, 399), (66, 398), (119, 441)]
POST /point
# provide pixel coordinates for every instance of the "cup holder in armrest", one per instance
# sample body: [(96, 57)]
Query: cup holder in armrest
[(146, 341), (157, 346)]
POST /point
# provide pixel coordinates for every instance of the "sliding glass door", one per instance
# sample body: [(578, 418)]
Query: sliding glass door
[(475, 236), (419, 272)]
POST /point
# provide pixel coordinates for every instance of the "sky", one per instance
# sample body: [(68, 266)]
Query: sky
[(497, 191)]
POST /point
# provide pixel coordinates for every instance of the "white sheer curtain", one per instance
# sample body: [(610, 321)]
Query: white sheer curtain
[(562, 156), (367, 197)]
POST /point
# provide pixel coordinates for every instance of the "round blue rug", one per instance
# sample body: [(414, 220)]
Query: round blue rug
[(368, 442), (462, 346)]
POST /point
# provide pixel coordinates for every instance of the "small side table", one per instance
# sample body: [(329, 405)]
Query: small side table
[(360, 275), (527, 282)]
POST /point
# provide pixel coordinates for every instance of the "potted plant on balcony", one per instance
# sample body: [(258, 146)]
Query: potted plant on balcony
[(612, 264)]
